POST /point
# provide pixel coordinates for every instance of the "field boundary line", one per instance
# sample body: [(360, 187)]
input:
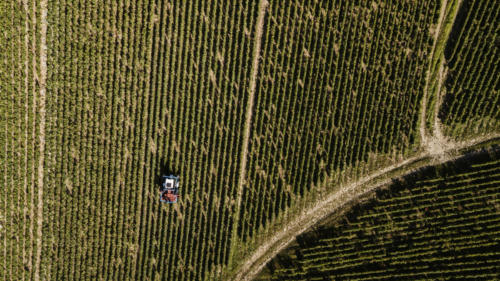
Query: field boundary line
[(248, 117), (43, 78), (346, 194), (26, 120)]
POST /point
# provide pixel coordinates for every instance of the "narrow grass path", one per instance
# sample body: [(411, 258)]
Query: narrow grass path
[(429, 142), (437, 132)]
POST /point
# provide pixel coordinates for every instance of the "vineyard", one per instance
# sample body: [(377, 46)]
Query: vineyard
[(471, 104), (139, 95), (440, 222), (335, 89), (131, 95), (19, 142), (262, 109)]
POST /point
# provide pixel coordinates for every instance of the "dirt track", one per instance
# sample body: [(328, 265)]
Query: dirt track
[(251, 91), (248, 115), (41, 133), (326, 206)]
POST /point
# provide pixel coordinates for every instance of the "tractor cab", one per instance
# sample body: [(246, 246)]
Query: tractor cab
[(169, 191)]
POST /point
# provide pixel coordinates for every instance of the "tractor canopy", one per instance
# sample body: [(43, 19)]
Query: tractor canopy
[(169, 191)]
